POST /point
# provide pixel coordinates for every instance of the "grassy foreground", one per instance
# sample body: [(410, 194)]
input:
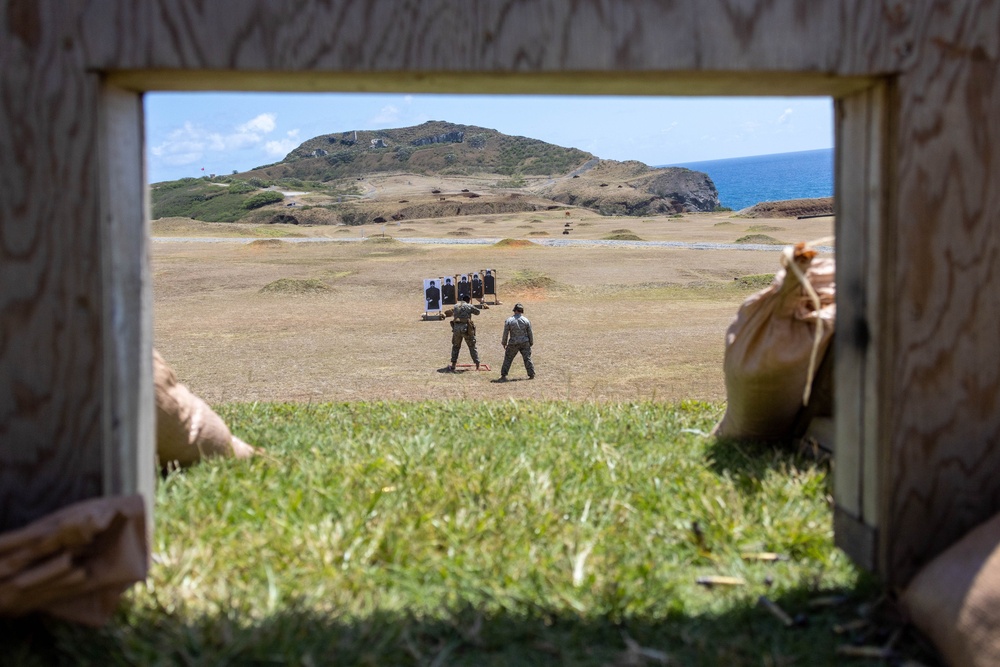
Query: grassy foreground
[(471, 533)]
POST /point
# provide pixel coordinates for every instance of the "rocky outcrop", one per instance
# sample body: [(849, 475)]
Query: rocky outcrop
[(446, 138), (691, 190), (633, 188)]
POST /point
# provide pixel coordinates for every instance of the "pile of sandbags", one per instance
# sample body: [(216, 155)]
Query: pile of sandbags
[(187, 429), (776, 345)]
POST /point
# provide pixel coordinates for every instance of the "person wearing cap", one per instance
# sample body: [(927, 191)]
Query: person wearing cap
[(517, 337)]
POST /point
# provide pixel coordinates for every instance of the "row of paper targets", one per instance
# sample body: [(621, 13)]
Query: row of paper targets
[(448, 290)]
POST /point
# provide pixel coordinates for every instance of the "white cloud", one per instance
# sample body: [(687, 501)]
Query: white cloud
[(263, 124), (191, 142), (282, 147), (387, 115), (783, 118)]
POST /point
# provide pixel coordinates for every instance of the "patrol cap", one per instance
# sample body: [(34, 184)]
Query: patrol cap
[(519, 307)]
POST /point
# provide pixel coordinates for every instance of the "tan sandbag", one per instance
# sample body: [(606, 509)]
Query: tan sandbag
[(187, 429), (955, 599), (75, 563), (775, 345)]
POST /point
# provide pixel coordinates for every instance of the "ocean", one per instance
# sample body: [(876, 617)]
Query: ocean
[(745, 181)]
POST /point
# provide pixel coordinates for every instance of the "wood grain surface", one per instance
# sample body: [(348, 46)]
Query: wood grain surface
[(847, 37), (942, 360), (51, 360), (931, 396)]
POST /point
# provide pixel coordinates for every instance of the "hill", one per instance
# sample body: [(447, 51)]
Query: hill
[(436, 169), (432, 147)]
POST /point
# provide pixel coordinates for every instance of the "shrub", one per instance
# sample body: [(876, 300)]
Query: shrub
[(241, 188), (263, 199)]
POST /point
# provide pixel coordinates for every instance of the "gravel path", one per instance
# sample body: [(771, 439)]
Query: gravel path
[(691, 245)]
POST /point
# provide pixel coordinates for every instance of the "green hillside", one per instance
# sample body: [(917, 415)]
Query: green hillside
[(434, 147), (329, 180)]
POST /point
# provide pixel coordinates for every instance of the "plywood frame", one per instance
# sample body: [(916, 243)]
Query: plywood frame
[(918, 124)]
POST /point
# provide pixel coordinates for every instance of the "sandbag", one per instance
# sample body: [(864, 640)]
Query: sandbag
[(955, 599), (76, 562), (775, 345), (187, 429)]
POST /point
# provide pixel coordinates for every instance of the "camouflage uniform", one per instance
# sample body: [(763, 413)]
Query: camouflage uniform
[(462, 328), (517, 337)]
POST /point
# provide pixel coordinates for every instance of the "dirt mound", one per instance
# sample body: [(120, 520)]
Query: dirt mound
[(623, 236), (759, 239), (528, 280), (790, 208), (382, 240), (265, 243), (538, 232), (514, 243), (296, 287)]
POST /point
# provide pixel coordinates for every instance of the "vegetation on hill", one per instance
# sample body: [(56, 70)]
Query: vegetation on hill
[(201, 199), (434, 147)]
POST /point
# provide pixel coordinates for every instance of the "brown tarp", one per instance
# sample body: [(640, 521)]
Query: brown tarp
[(75, 563)]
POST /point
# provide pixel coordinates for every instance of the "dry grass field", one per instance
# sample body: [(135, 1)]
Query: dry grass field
[(343, 321)]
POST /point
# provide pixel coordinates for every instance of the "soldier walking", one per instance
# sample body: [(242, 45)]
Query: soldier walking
[(517, 337), (463, 328)]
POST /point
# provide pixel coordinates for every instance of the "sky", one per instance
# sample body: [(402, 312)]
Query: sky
[(194, 134)]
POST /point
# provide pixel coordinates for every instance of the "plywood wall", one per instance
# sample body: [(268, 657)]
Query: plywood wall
[(70, 424)]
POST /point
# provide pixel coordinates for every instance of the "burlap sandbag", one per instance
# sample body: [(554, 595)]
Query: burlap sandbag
[(75, 563), (187, 429), (955, 599), (775, 345)]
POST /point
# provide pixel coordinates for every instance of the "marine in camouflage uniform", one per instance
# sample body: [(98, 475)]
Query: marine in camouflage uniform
[(517, 337), (463, 328)]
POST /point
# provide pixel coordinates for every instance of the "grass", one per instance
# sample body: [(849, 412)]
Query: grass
[(477, 533), (757, 281), (293, 286)]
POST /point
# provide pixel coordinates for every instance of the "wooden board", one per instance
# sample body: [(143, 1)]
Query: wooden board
[(926, 414)]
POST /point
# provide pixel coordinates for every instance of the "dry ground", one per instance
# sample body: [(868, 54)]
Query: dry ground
[(618, 324)]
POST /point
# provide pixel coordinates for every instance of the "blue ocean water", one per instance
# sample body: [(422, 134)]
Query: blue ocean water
[(745, 181)]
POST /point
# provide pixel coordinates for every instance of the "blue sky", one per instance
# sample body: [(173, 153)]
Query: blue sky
[(222, 132)]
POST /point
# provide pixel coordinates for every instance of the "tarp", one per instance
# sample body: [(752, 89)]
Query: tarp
[(75, 563)]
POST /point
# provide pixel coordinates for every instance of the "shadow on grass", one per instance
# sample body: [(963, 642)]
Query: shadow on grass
[(747, 460), (747, 634)]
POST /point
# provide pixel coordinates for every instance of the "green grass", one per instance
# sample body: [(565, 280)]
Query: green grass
[(477, 533)]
